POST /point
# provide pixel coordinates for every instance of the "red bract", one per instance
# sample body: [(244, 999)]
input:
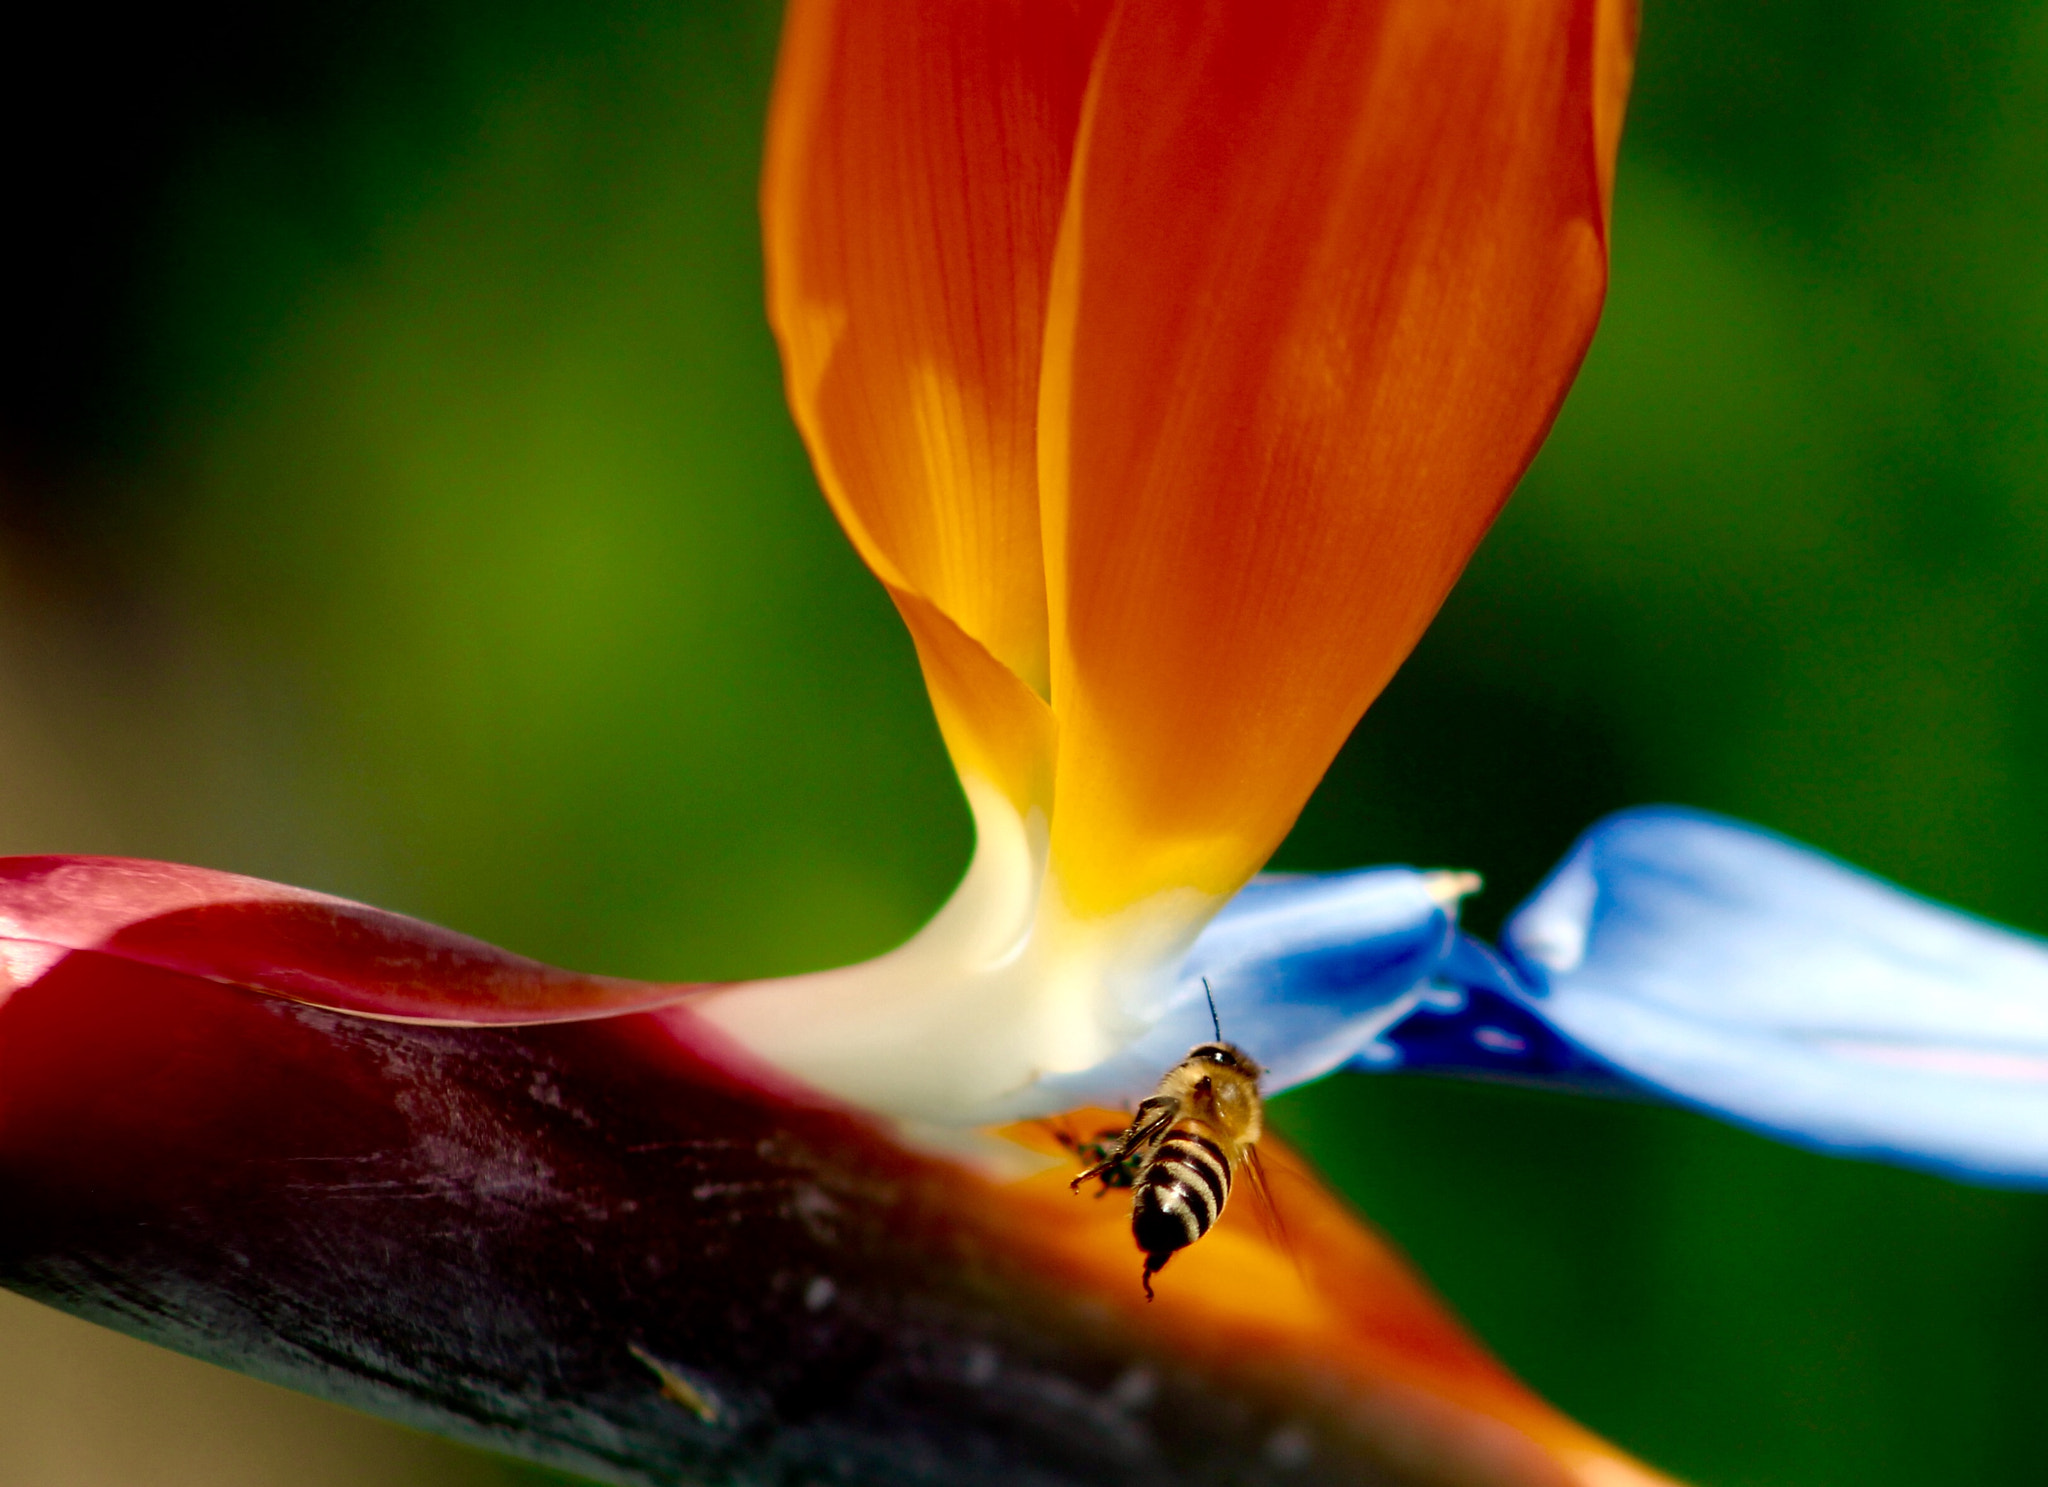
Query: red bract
[(508, 1233)]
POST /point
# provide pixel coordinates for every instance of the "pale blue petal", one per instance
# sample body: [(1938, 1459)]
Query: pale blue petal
[(1741, 973), (1309, 973)]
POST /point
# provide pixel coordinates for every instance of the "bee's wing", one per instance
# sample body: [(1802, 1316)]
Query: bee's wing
[(1270, 1216)]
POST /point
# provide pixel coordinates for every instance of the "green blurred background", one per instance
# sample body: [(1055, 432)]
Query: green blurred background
[(396, 498)]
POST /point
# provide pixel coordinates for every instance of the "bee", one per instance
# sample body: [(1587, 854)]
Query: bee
[(1183, 1147)]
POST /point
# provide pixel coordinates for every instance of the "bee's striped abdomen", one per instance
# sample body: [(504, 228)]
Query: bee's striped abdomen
[(1180, 1193)]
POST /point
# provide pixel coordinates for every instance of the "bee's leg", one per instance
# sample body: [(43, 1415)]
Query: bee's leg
[(1101, 1169), (1152, 1121), (1154, 1263), (1122, 1177), (1154, 1118)]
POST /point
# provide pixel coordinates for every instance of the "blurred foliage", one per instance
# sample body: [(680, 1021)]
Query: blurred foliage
[(398, 501)]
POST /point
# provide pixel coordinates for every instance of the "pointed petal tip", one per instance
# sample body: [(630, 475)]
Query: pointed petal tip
[(1451, 888)]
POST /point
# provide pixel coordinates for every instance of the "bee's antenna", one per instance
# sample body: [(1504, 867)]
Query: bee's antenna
[(1214, 1021)]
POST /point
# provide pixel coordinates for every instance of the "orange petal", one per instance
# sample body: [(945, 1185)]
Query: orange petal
[(1325, 275), (918, 155), (1435, 1404)]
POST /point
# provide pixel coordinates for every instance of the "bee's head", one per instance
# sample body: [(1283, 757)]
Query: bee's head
[(1225, 1055)]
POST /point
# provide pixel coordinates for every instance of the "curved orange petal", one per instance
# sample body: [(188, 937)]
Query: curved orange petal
[(918, 156), (1325, 274)]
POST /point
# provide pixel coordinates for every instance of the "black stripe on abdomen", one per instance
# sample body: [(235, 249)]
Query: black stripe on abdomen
[(1183, 1190), (1200, 1159)]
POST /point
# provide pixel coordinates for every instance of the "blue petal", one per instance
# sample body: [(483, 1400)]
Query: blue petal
[(1749, 976), (1309, 973)]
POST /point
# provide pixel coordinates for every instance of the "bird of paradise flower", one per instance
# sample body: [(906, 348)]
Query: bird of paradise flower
[(1165, 367)]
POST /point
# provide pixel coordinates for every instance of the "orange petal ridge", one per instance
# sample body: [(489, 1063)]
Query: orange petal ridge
[(1324, 276)]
